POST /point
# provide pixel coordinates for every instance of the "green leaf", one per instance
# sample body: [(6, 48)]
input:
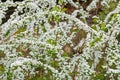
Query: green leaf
[(56, 8), (57, 18), (2, 68), (103, 27), (95, 20), (99, 77), (61, 2), (94, 27), (51, 41), (115, 15), (2, 54), (39, 78), (9, 75), (7, 33), (54, 63), (75, 30), (64, 9), (22, 29), (44, 29), (102, 16), (20, 53), (92, 43), (95, 41), (65, 54), (52, 53)]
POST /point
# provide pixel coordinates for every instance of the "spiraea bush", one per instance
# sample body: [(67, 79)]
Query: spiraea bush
[(60, 40)]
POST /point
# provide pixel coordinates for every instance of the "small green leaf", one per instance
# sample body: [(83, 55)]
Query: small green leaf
[(9, 75), (64, 9), (54, 63), (57, 18), (65, 54), (7, 33), (22, 29), (95, 20), (2, 68), (44, 29), (92, 43), (20, 53), (52, 53), (100, 77), (103, 27), (115, 15), (2, 54), (75, 30), (94, 27), (40, 78), (95, 41), (51, 41), (56, 8), (60, 2)]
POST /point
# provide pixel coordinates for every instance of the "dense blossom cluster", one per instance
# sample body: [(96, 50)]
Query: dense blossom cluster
[(33, 36)]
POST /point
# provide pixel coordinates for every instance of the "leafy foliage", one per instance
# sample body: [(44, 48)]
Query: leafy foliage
[(60, 40)]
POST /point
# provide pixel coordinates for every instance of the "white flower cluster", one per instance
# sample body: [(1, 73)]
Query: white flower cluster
[(33, 36)]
